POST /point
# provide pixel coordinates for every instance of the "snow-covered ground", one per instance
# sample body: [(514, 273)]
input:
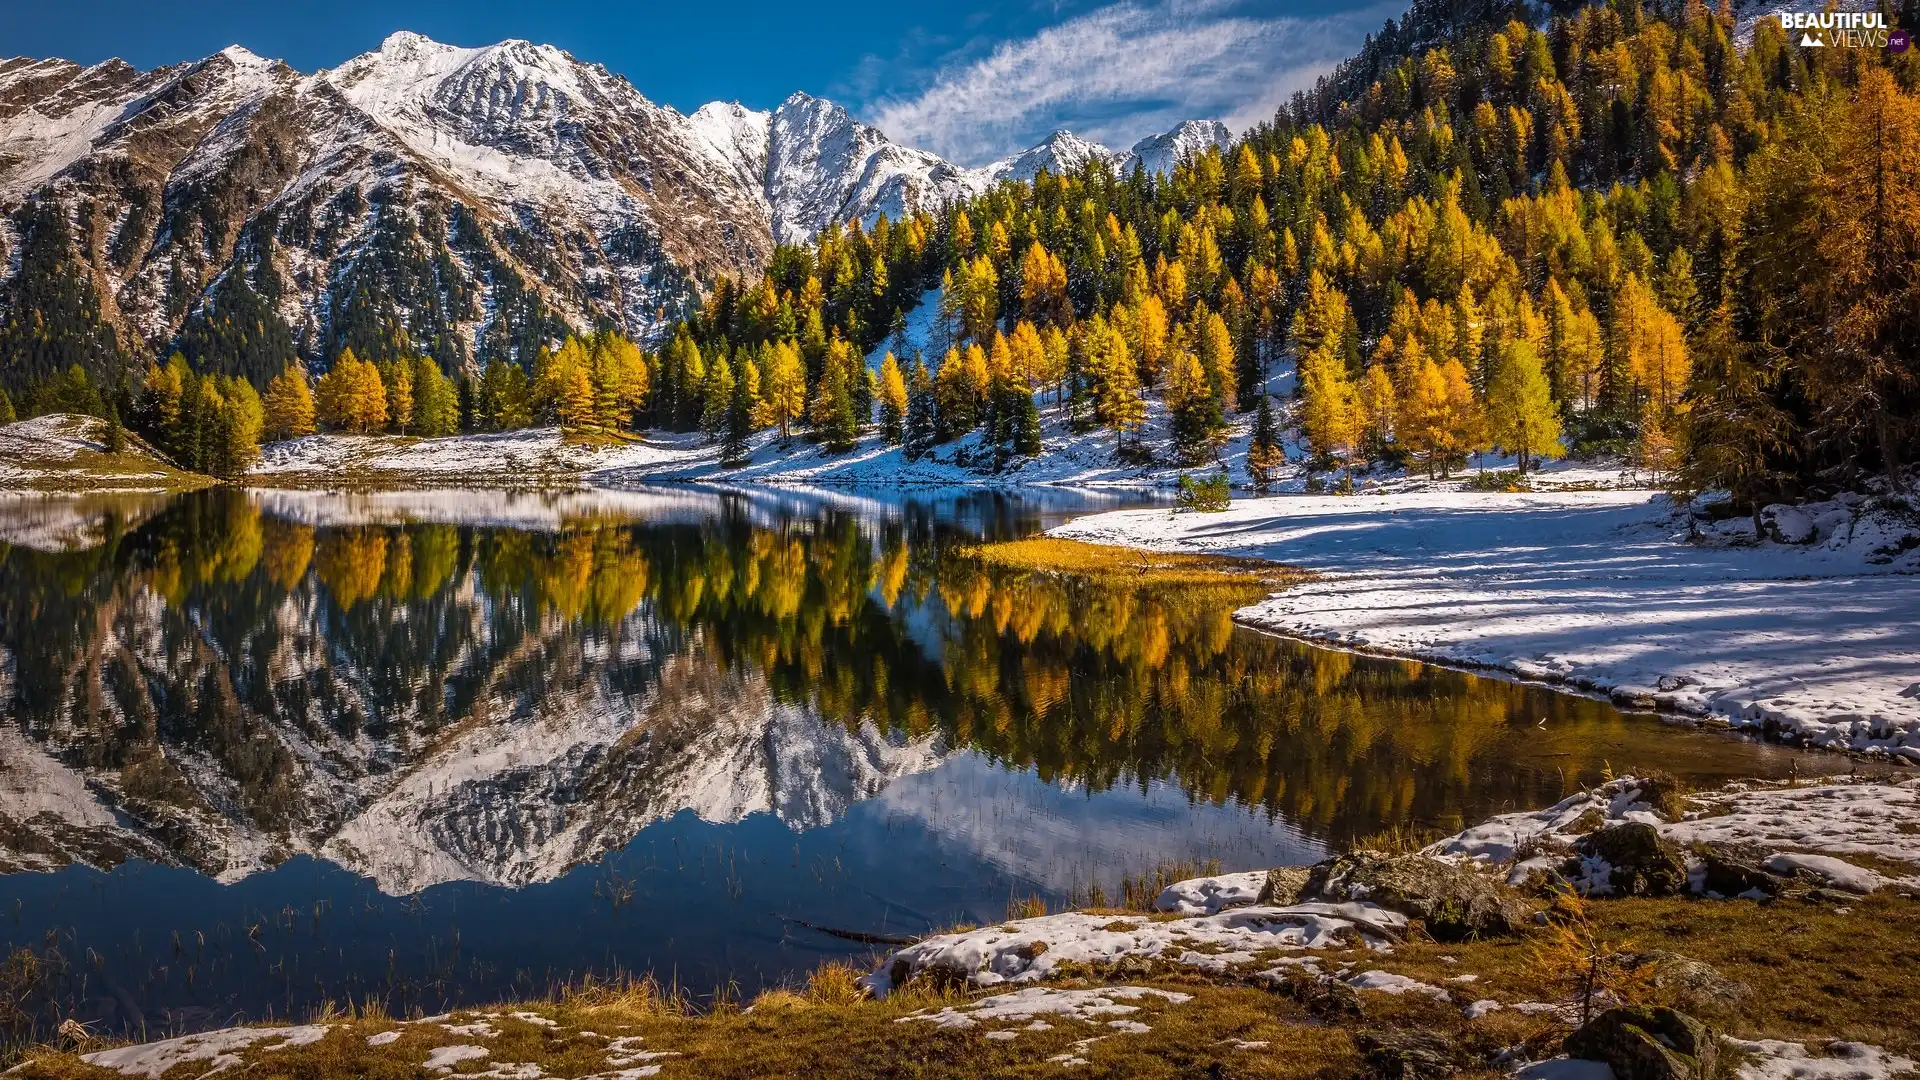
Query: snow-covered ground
[(1024, 951), (1602, 590), (65, 451), (538, 456), (1788, 826)]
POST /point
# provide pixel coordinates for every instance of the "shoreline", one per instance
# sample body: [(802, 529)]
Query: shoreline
[(1420, 577), (1448, 950)]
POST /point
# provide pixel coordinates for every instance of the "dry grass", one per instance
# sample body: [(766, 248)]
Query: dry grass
[(1398, 840), (1814, 974), (1138, 889), (1110, 565)]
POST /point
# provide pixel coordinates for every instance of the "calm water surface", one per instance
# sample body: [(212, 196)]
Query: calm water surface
[(261, 751)]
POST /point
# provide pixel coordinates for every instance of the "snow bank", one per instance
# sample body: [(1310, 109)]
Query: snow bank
[(1388, 982), (1209, 895), (1835, 819), (1799, 829), (1037, 1001), (444, 1058), (1033, 950), (1772, 1059), (219, 1049), (1600, 590), (65, 450)]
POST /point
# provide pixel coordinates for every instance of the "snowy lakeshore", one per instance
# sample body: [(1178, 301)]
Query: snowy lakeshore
[(1602, 590), (548, 456)]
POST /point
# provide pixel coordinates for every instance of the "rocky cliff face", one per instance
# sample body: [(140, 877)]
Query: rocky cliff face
[(476, 201)]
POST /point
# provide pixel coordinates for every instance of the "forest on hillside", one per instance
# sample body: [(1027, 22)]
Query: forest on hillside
[(1607, 230)]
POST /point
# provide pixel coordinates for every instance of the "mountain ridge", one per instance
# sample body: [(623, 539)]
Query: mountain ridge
[(477, 201)]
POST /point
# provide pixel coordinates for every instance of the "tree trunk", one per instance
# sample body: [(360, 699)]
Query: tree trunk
[(1889, 453)]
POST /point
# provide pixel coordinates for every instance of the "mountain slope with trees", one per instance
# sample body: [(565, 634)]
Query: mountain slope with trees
[(1605, 229)]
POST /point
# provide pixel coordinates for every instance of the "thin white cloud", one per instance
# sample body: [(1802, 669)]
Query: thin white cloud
[(1121, 72)]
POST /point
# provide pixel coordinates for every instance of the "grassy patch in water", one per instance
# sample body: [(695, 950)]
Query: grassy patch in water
[(1108, 564)]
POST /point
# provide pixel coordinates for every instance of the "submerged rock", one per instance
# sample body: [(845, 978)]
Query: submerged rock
[(1647, 1044), (1629, 859), (1453, 902)]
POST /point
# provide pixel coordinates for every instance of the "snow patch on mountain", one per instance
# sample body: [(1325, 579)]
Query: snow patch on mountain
[(736, 137), (513, 168), (1160, 153), (1061, 152)]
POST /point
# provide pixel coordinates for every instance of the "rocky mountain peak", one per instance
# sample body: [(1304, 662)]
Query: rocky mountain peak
[(506, 192), (1160, 153), (1060, 152)]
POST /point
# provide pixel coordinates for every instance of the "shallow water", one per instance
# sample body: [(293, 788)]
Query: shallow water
[(262, 751)]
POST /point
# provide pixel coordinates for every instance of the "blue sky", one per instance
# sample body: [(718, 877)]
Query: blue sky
[(970, 79)]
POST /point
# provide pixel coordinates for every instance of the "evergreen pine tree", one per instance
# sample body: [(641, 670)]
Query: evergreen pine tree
[(921, 427), (738, 424), (1026, 434), (1736, 434), (116, 436), (1264, 454), (6, 407), (832, 413), (436, 405)]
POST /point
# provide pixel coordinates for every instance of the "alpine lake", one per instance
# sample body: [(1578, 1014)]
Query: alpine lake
[(264, 751)]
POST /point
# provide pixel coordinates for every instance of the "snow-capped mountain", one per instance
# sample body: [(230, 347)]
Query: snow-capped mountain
[(1065, 152), (480, 198), (824, 166), (1160, 153), (1061, 152)]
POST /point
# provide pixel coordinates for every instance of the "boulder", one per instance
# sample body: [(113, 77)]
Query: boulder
[(1689, 983), (1453, 902), (1630, 859), (1788, 524), (1647, 1044), (1403, 1054), (1734, 869), (1283, 886)]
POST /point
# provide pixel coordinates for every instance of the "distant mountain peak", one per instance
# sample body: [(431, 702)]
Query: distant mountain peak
[(1160, 153), (535, 190)]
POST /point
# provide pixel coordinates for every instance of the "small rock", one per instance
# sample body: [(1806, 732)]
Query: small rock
[(1647, 1044), (1788, 524), (1399, 1054)]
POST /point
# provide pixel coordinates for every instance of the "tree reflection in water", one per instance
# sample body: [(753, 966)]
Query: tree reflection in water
[(436, 697)]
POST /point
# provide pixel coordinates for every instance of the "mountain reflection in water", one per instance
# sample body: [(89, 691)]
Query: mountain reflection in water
[(266, 750)]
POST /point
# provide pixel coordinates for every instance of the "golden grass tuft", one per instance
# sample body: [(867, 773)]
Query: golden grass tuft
[(1026, 907), (1113, 565)]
